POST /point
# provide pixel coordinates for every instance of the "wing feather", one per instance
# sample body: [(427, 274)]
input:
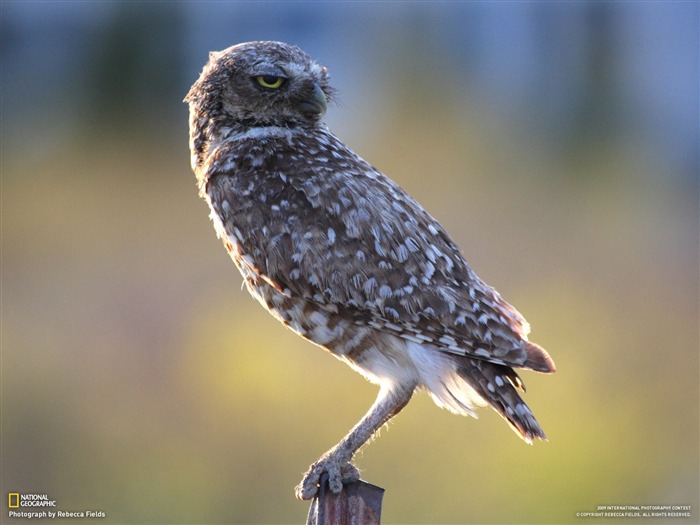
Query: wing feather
[(337, 231)]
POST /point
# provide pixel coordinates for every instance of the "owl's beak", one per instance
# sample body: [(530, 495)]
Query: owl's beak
[(316, 104)]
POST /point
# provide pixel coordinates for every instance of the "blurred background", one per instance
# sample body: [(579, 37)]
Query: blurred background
[(557, 143)]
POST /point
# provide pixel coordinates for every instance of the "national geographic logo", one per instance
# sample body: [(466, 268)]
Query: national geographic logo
[(16, 500), (40, 506)]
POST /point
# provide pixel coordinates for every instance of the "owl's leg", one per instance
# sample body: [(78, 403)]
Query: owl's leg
[(336, 462)]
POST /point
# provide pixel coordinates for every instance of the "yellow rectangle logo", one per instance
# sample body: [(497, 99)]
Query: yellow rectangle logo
[(13, 500)]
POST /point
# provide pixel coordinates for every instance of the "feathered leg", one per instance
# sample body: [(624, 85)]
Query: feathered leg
[(336, 462)]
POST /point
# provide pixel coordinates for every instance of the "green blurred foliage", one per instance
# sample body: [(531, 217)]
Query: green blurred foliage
[(138, 379)]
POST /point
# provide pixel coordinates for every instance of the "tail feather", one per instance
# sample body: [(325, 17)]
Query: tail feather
[(497, 385)]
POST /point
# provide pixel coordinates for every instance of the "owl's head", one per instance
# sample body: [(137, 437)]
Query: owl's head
[(261, 83)]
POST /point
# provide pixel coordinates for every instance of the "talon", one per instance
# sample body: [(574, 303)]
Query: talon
[(339, 472)]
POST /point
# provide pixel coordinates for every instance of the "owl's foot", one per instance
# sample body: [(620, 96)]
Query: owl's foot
[(339, 471)]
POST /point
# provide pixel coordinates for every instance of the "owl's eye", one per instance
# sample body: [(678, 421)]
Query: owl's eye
[(270, 81)]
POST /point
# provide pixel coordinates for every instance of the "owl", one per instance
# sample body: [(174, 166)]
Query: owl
[(341, 255)]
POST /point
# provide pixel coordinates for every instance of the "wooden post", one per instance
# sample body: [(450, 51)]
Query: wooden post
[(358, 504)]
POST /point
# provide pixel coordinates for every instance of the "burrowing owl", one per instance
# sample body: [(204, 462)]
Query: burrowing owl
[(342, 256)]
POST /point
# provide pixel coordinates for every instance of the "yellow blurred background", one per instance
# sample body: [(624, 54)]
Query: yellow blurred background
[(557, 143)]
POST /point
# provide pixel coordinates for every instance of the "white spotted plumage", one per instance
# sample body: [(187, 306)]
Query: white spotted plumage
[(342, 255)]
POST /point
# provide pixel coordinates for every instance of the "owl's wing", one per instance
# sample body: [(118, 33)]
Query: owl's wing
[(353, 238)]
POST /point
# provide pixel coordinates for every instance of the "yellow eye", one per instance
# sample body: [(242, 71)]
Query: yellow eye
[(270, 81)]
